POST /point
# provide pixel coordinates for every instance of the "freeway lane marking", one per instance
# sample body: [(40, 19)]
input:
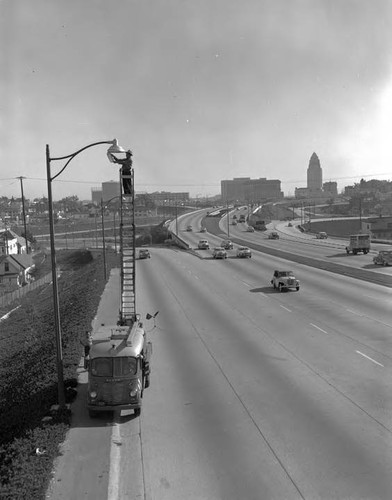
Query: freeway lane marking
[(318, 328), (283, 307), (371, 359), (354, 312)]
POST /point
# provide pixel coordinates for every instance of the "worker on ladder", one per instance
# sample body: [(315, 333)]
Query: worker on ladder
[(126, 171)]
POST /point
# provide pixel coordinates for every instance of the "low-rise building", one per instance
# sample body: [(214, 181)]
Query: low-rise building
[(15, 271)]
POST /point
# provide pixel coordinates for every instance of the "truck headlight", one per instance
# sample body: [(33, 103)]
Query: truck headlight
[(93, 394), (134, 387)]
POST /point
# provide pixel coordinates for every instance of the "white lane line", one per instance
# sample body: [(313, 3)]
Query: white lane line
[(318, 328), (370, 359), (354, 312), (114, 469), (283, 307), (245, 283)]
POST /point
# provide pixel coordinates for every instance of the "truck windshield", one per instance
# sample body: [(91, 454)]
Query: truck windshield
[(114, 367)]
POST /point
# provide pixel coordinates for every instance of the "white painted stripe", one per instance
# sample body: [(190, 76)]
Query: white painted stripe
[(283, 307), (114, 469), (354, 312), (318, 328), (245, 283), (370, 359)]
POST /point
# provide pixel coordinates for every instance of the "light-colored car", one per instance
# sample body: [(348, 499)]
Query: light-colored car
[(250, 229), (219, 253), (144, 253), (203, 230), (322, 235), (234, 222), (284, 280), (203, 245), (227, 245), (273, 236), (384, 258), (244, 252)]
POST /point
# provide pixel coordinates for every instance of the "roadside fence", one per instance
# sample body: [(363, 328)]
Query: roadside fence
[(10, 297)]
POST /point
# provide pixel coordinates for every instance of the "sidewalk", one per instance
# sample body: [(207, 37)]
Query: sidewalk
[(78, 472)]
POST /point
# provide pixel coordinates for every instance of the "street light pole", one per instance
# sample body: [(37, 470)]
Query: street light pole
[(103, 240), (59, 349), (176, 220), (227, 220), (114, 231), (24, 212), (115, 148)]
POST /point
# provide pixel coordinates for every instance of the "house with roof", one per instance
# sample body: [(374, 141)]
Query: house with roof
[(15, 271), (12, 243)]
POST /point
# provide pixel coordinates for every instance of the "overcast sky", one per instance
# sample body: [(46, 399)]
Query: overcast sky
[(200, 90)]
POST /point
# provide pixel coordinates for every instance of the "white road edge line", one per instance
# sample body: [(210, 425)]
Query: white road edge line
[(371, 359), (318, 328), (114, 468), (283, 307)]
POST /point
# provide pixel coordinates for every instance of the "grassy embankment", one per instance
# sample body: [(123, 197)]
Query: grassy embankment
[(28, 371)]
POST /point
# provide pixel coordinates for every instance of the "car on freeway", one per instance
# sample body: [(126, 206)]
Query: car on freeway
[(289, 224), (203, 245), (284, 280), (144, 253), (189, 228), (244, 252), (273, 236), (227, 245), (322, 235), (234, 222), (383, 258), (219, 253), (250, 229), (203, 230), (234, 216)]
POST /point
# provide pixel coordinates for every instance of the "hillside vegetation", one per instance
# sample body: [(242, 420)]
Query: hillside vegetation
[(28, 370)]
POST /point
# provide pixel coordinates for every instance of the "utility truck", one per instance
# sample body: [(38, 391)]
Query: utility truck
[(358, 243), (119, 359)]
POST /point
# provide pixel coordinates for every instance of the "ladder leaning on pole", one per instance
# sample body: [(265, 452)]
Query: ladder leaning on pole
[(128, 258)]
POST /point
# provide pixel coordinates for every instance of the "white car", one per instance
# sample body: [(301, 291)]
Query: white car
[(244, 252), (203, 245), (250, 229), (284, 280)]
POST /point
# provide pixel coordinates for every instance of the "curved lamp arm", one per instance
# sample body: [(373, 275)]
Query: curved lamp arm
[(71, 156)]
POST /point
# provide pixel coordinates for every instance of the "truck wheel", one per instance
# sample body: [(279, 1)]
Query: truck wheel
[(347, 251), (280, 287), (137, 412), (354, 252), (297, 288)]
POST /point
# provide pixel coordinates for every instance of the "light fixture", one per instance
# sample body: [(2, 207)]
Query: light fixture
[(114, 150)]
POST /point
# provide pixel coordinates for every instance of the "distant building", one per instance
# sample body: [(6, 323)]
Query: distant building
[(330, 188), (162, 198), (110, 190), (96, 195), (245, 190), (315, 174)]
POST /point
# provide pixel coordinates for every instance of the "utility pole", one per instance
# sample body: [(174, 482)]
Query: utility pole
[(24, 213)]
